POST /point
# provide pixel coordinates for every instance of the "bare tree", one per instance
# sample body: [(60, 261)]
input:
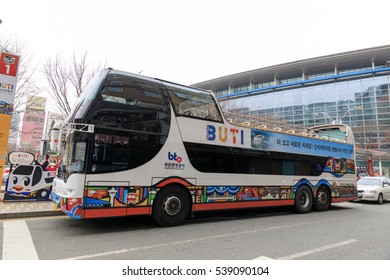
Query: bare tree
[(56, 73), (78, 73), (67, 81)]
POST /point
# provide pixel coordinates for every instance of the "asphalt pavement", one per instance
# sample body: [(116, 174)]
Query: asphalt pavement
[(25, 209)]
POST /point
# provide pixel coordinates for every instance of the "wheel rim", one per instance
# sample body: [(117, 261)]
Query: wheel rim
[(322, 198), (172, 205), (304, 199), (380, 198)]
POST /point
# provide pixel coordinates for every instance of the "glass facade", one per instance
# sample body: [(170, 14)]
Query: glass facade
[(350, 87), (363, 103)]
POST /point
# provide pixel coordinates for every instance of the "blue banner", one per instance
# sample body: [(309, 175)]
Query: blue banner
[(278, 142)]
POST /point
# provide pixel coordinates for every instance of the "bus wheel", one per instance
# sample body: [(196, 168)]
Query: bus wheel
[(303, 200), (171, 206), (322, 200)]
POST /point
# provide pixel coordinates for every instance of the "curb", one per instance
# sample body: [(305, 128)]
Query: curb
[(31, 214)]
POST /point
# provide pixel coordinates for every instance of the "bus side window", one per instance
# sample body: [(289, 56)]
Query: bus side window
[(115, 152), (288, 167), (196, 104)]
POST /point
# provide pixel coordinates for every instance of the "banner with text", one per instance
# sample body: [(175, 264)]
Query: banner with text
[(8, 78), (271, 141)]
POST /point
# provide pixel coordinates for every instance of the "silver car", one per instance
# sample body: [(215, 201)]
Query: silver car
[(373, 189)]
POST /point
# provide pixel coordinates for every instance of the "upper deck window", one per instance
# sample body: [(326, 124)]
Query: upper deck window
[(130, 103), (129, 91), (194, 103)]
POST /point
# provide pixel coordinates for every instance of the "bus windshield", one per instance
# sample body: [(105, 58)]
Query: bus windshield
[(88, 95)]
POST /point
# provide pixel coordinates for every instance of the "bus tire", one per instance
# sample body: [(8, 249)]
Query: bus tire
[(322, 199), (171, 206), (303, 199)]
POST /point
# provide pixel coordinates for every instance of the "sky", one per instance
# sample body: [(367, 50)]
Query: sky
[(188, 41)]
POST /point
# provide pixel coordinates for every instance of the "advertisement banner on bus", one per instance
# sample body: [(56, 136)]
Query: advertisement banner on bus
[(267, 140)]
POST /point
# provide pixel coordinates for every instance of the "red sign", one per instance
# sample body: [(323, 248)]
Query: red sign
[(370, 167), (9, 64)]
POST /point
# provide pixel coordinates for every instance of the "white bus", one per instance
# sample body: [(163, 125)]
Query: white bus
[(143, 146)]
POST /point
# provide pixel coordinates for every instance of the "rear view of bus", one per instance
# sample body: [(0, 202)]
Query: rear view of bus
[(142, 146)]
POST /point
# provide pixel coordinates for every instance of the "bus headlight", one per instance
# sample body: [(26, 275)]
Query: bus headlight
[(64, 192)]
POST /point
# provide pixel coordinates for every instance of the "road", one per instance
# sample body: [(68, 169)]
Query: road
[(348, 231)]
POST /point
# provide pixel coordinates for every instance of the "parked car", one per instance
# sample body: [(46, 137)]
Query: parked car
[(5, 174), (373, 189)]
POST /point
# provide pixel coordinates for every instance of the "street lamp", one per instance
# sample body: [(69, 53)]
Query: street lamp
[(327, 116), (355, 108), (339, 120)]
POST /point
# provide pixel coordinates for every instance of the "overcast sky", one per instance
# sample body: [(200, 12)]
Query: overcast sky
[(193, 41)]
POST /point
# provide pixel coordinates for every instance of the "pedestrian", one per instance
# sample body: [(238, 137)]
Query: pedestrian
[(45, 164)]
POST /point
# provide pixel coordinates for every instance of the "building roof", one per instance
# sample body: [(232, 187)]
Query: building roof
[(341, 61)]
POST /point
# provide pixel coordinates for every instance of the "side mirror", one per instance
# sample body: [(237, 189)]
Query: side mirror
[(61, 172)]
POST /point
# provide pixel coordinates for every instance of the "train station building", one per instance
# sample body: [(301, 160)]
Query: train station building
[(350, 88)]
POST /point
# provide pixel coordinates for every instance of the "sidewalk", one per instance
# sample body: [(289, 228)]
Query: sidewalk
[(27, 209)]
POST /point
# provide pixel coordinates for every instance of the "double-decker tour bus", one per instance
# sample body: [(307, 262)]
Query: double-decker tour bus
[(143, 146)]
